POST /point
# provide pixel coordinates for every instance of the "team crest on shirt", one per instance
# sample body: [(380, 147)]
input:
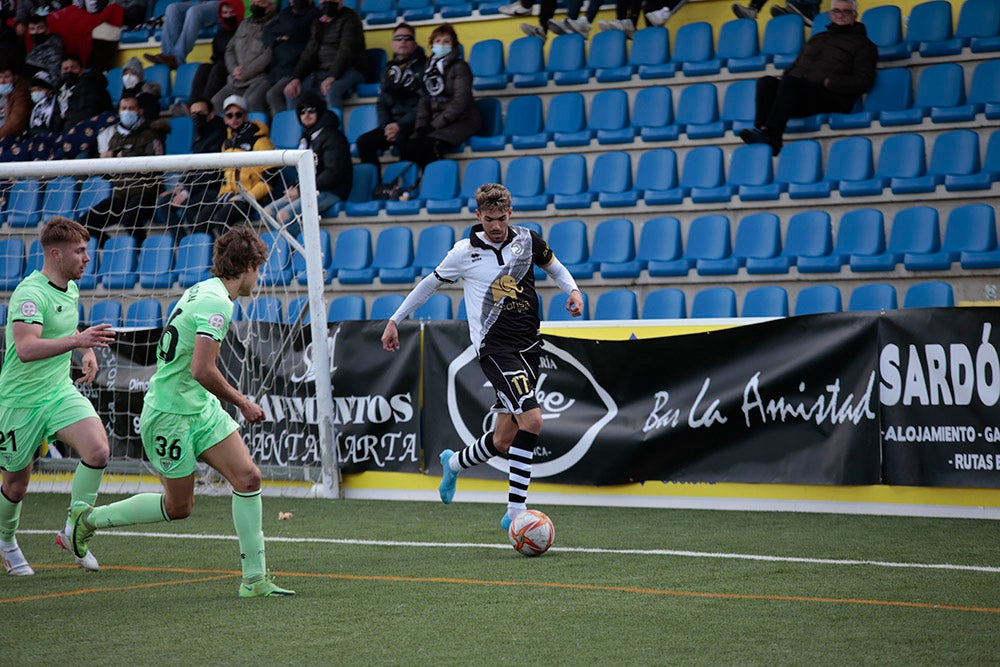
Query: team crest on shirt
[(505, 286), (29, 309), (217, 321), (516, 249)]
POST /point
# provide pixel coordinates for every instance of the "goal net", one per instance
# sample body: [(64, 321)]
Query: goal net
[(153, 221)]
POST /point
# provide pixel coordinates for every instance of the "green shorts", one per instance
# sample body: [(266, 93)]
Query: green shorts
[(23, 429), (173, 442)]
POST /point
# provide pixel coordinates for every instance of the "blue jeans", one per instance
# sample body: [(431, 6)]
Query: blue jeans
[(340, 89), (324, 200), (183, 22)]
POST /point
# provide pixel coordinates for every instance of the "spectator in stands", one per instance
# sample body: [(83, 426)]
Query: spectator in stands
[(135, 85), (47, 50), (45, 123), (231, 207), (134, 195), (447, 114), (199, 188), (248, 57), (28, 8), (546, 22), (807, 9), (181, 25), (398, 97), (334, 172), (90, 29), (627, 15), (211, 76), (334, 60), (831, 71), (15, 103), (11, 46), (84, 107), (287, 38)]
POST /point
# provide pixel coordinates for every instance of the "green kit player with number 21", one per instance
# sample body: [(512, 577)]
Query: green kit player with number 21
[(183, 420)]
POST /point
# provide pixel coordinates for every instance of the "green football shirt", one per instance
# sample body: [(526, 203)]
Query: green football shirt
[(38, 301), (205, 309)]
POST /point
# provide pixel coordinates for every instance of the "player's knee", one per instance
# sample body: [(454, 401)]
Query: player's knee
[(502, 444), (248, 481), (178, 509), (98, 458), (15, 490), (530, 421)]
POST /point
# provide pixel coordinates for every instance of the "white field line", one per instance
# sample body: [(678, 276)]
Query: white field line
[(589, 550)]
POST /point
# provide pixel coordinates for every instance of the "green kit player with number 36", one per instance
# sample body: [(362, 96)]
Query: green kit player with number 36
[(183, 420)]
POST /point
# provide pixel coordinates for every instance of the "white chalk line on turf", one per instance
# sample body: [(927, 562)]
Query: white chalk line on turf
[(588, 550)]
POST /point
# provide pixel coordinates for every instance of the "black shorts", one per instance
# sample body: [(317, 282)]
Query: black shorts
[(513, 375)]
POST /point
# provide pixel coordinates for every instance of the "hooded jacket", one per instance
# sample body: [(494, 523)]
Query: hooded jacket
[(247, 48), (842, 54), (251, 136), (334, 171), (222, 36)]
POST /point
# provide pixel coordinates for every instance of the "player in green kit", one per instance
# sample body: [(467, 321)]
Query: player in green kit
[(183, 420), (37, 396)]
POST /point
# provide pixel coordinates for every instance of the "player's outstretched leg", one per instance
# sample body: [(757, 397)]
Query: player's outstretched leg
[(65, 542), (14, 561), (10, 516), (448, 477), (452, 463), (257, 581)]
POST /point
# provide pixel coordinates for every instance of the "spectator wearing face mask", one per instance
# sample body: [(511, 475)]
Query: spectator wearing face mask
[(198, 188), (333, 62), (34, 143), (134, 196), (248, 57), (84, 107), (15, 103), (47, 50), (134, 85), (211, 76), (287, 38)]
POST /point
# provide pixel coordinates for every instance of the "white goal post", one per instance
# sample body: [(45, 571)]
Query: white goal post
[(284, 167)]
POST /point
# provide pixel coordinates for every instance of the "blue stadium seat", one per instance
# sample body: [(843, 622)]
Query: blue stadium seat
[(352, 256), (486, 61), (611, 176), (119, 263), (371, 86), (440, 189), (820, 23), (817, 299), (24, 201), (809, 235), (619, 304), (955, 153), (653, 114), (693, 44), (295, 308), (3, 314), (698, 112), (738, 107), (703, 168), (286, 131), (406, 174), (361, 119), (708, 238), (93, 190), (326, 255), (378, 12), (765, 301), (929, 22), (609, 116), (714, 302), (885, 28), (939, 86), (900, 157), (614, 245), (891, 92), (178, 141), (491, 113), (194, 259), (568, 240), (524, 122), (800, 164), (874, 296), (608, 57), (145, 313), (115, 85), (108, 311), (861, 232), (758, 236), (393, 258), (384, 306), (849, 160), (914, 230), (650, 54), (526, 180), (526, 63), (352, 307), (88, 280), (984, 97), (738, 51), (156, 262), (437, 307), (969, 235), (659, 241), (477, 172), (363, 183), (979, 25), (656, 177), (668, 303), (930, 294), (265, 309), (432, 245), (567, 63), (557, 309), (416, 10), (783, 39), (33, 262), (566, 186), (11, 262), (987, 175), (160, 74), (750, 166), (60, 197), (183, 78), (277, 269), (566, 120)]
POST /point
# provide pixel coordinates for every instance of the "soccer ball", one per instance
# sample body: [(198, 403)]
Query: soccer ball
[(531, 533)]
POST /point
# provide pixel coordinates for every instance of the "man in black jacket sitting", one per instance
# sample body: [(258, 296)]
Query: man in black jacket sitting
[(831, 71)]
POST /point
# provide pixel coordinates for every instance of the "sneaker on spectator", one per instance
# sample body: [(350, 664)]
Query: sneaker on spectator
[(659, 17), (533, 30), (807, 12), (580, 26), (515, 9), (742, 12), (625, 25), (559, 27)]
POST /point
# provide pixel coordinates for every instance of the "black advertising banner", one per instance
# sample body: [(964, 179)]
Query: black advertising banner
[(940, 384), (788, 401)]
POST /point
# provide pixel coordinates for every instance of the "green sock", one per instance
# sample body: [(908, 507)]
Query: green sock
[(86, 482), (10, 515), (247, 519), (140, 508)]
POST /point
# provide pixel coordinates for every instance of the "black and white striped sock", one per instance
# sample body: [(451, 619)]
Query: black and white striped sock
[(522, 450), (480, 451)]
